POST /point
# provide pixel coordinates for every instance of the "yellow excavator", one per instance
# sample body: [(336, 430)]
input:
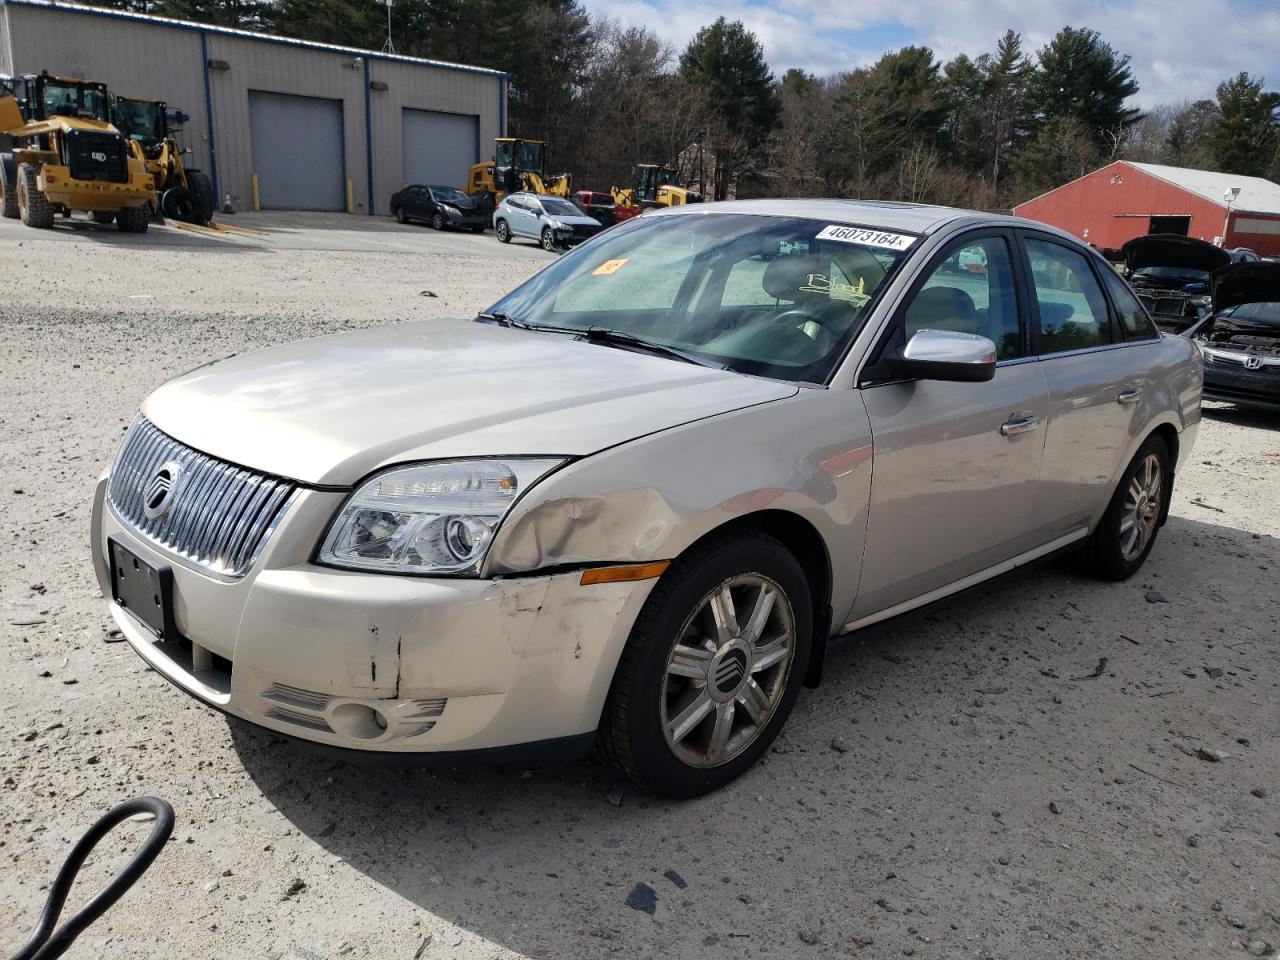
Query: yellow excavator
[(185, 194), (654, 186), (517, 164), (67, 155)]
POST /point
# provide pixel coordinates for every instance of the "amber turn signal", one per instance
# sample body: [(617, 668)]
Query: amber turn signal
[(642, 571)]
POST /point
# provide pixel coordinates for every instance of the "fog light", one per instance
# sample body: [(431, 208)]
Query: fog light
[(358, 720)]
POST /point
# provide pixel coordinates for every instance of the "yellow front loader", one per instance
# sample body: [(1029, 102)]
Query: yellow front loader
[(654, 186), (517, 165), (67, 155), (185, 193)]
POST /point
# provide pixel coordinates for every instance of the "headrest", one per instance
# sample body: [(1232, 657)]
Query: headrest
[(784, 276), (942, 304)]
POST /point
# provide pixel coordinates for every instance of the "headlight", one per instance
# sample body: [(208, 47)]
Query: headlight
[(429, 518), (450, 211)]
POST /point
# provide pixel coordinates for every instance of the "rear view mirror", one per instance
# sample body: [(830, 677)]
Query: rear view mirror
[(946, 355)]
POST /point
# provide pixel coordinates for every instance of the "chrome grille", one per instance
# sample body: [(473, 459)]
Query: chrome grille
[(220, 515)]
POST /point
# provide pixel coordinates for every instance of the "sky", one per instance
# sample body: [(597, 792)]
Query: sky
[(1180, 49)]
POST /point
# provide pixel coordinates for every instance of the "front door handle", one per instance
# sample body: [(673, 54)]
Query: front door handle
[(1127, 397), (1015, 428)]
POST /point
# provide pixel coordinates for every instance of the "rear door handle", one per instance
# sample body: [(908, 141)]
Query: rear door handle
[(1127, 397), (1014, 428)]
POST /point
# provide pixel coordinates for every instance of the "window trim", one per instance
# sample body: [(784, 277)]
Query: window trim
[(866, 375), (1125, 337), (1090, 257)]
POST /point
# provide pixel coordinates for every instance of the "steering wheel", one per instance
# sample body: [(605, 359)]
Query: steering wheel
[(798, 317)]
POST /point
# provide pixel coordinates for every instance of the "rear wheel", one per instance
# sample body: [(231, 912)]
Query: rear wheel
[(503, 232), (1127, 532), (177, 203), (33, 206), (437, 221), (202, 196), (8, 187), (400, 215), (102, 216), (712, 668), (133, 219)]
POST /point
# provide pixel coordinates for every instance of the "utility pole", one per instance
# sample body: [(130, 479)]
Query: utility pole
[(388, 47)]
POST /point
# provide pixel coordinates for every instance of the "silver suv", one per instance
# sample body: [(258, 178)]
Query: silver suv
[(631, 505), (553, 222)]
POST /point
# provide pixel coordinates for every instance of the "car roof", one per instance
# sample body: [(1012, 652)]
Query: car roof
[(887, 215)]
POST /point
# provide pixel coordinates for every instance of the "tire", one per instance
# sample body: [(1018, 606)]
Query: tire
[(102, 216), (33, 207), (8, 187), (437, 221), (133, 219), (548, 240), (400, 217), (651, 688), (202, 196), (502, 232), (1140, 501), (178, 203)]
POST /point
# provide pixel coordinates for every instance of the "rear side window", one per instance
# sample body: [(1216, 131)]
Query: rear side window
[(1133, 319), (1073, 311)]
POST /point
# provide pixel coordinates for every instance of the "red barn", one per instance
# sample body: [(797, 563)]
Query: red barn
[(1124, 200)]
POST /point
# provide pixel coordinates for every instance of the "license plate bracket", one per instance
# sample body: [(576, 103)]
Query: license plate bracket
[(145, 590)]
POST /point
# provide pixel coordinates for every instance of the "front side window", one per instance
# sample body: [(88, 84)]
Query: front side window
[(970, 290), (1133, 318), (772, 296), (1073, 311)]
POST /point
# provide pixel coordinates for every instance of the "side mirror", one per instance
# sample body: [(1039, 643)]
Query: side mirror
[(946, 355)]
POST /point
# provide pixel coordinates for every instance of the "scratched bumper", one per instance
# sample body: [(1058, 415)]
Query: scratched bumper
[(384, 663)]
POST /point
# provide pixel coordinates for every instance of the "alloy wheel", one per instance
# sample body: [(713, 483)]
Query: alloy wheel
[(437, 221), (1141, 512), (727, 671)]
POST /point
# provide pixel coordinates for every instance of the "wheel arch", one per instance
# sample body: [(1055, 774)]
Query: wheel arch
[(802, 539)]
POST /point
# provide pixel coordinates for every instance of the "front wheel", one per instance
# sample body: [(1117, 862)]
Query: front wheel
[(712, 668), (548, 240), (437, 221), (503, 232), (1127, 532)]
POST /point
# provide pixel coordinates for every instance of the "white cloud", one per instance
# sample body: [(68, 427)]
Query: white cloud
[(1180, 49)]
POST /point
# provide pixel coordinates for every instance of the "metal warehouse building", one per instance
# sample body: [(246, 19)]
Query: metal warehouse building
[(322, 127), (1124, 200)]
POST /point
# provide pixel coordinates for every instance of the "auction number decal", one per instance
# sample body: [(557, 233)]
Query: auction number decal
[(868, 238)]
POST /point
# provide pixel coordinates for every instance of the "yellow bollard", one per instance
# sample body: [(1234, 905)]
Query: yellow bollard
[(257, 200), (351, 203)]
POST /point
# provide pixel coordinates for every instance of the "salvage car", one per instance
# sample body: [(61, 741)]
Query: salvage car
[(602, 207), (628, 505), (440, 206), (1170, 275), (1240, 340), (552, 221)]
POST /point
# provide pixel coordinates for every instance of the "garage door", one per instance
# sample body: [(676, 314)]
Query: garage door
[(439, 147), (297, 151)]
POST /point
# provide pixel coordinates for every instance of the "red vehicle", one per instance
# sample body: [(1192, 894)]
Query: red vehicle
[(602, 207)]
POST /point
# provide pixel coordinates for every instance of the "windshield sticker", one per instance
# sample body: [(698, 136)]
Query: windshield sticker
[(835, 290), (609, 267), (868, 238)]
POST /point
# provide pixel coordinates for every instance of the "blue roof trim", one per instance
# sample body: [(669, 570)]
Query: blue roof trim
[(249, 35)]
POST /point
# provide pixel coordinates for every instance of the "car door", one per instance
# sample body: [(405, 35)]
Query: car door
[(413, 201), (1100, 385), (955, 465), (520, 215)]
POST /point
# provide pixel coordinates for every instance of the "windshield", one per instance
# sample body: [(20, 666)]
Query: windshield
[(446, 194), (530, 157), (74, 100), (778, 297), (140, 120), (1250, 317), (1185, 274), (559, 208)]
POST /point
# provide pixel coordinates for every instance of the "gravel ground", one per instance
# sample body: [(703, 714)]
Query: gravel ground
[(960, 786)]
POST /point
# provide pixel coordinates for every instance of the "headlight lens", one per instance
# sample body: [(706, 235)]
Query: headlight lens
[(450, 211), (431, 518)]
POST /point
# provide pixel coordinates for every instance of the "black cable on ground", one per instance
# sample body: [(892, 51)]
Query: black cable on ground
[(45, 943)]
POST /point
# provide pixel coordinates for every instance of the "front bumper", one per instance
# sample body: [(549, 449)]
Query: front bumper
[(1250, 388), (59, 187), (393, 664)]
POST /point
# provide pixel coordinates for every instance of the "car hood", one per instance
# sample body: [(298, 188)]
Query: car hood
[(1172, 250), (1246, 283), (466, 204), (573, 221), (331, 410)]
